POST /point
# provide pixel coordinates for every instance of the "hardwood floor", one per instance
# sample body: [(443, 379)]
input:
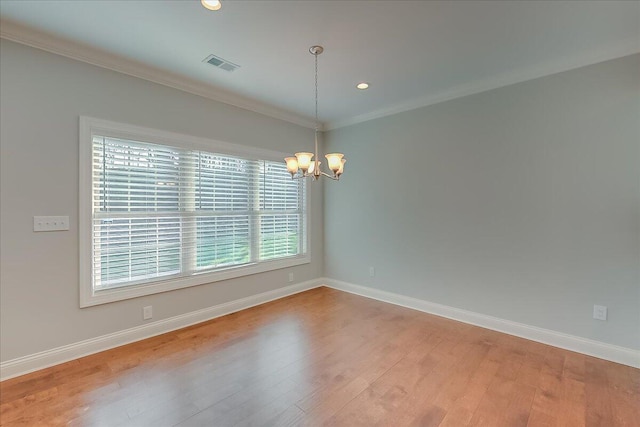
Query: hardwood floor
[(324, 357)]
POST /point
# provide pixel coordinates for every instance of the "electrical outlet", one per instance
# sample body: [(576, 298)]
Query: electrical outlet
[(147, 312), (600, 312), (372, 271), (291, 277)]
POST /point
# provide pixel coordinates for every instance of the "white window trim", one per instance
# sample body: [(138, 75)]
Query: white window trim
[(90, 126)]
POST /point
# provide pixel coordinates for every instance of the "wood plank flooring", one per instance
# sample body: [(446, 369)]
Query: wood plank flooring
[(325, 357)]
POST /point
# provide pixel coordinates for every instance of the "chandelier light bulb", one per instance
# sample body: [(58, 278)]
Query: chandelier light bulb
[(292, 165), (312, 167), (304, 161), (333, 160)]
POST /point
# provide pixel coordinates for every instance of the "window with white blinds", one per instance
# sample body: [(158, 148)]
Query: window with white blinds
[(165, 216)]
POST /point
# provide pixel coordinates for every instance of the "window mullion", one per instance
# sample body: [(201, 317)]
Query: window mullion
[(254, 215), (302, 209), (188, 182)]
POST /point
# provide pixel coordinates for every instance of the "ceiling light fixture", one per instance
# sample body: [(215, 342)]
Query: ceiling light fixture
[(211, 4), (362, 85), (305, 163)]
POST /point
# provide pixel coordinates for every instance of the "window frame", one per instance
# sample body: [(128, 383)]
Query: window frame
[(91, 126)]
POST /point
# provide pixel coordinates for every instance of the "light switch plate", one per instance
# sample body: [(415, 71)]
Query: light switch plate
[(50, 223)]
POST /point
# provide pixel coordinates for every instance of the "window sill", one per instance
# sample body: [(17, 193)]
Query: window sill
[(89, 298)]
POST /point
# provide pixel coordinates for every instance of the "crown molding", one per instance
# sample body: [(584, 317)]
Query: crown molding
[(38, 39), (629, 47), (29, 36)]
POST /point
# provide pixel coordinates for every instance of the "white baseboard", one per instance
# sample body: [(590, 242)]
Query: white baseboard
[(625, 356), (45, 359)]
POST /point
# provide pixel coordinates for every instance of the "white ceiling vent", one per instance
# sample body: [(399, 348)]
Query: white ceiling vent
[(216, 61)]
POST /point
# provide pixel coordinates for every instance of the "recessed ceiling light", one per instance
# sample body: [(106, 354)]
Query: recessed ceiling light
[(211, 4), (362, 85)]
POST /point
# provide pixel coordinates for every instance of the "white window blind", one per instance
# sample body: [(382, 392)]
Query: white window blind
[(161, 212)]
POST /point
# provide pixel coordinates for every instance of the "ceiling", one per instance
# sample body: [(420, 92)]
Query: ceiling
[(413, 53)]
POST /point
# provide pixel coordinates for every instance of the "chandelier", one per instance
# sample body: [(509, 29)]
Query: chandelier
[(305, 164)]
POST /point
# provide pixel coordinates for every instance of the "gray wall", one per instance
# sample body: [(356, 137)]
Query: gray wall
[(521, 202), (42, 96)]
